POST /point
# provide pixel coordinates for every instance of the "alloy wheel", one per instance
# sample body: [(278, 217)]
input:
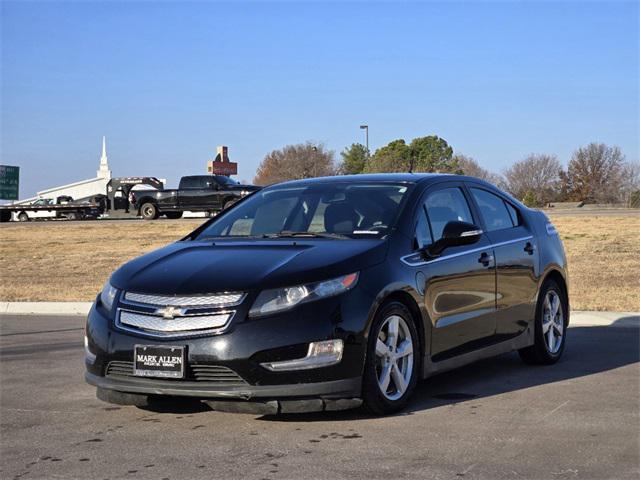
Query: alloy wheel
[(552, 322), (394, 357)]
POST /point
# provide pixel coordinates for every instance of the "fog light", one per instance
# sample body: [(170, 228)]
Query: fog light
[(320, 354), (88, 356)]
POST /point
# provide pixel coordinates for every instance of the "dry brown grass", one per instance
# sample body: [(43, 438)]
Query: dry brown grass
[(64, 261), (604, 261)]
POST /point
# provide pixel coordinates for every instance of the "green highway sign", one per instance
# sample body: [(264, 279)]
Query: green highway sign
[(9, 182)]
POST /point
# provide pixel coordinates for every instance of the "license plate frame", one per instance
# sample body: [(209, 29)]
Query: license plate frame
[(159, 361)]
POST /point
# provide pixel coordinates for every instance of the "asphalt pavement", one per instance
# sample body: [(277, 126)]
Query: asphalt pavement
[(496, 419)]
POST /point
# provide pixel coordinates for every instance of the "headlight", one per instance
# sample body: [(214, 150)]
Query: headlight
[(280, 299), (108, 295)]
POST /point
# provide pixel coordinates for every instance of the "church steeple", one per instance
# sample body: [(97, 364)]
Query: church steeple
[(103, 171)]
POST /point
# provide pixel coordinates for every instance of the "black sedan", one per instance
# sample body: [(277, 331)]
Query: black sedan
[(329, 293)]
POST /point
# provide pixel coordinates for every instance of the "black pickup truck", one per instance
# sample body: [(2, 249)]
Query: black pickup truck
[(196, 193)]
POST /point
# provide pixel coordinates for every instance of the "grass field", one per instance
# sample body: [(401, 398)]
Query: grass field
[(65, 261)]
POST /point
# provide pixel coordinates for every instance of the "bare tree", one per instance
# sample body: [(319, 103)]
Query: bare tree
[(537, 175), (596, 174), (473, 169), (630, 180), (304, 160)]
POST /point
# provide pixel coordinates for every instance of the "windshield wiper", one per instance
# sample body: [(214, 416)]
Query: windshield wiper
[(292, 234)]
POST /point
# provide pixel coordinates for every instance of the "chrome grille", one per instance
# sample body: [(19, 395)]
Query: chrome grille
[(212, 300), (189, 324), (215, 374)]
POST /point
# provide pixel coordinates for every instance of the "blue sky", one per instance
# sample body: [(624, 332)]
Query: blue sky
[(167, 82)]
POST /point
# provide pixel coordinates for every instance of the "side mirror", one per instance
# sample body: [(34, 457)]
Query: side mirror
[(455, 234)]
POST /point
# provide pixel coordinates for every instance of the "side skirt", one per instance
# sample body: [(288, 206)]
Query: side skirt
[(523, 340)]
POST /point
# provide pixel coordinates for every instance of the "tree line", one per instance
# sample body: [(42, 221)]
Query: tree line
[(596, 173)]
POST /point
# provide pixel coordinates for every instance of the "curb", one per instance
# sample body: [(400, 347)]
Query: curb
[(45, 308), (578, 318), (605, 319)]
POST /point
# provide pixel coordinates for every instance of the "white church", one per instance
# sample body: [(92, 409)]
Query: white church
[(83, 188)]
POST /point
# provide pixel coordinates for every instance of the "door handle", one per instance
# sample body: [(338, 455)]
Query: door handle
[(529, 248), (485, 259)]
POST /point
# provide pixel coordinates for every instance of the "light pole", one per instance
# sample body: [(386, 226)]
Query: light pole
[(366, 130)]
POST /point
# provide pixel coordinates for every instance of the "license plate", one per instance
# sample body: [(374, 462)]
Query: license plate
[(158, 361)]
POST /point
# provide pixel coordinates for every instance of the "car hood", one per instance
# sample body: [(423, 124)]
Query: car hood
[(190, 267)]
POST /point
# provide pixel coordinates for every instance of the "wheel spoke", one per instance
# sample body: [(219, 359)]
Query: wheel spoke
[(392, 341), (398, 379), (405, 348), (381, 348), (545, 325), (552, 340), (547, 304), (557, 329), (385, 377), (555, 305)]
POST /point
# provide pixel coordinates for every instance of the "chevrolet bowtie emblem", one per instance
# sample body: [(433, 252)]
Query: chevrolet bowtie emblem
[(170, 312)]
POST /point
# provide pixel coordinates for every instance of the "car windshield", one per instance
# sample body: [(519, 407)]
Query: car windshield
[(336, 210), (225, 180)]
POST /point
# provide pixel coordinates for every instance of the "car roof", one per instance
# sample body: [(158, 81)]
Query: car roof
[(374, 178)]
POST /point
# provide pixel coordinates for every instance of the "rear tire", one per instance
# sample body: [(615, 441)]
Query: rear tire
[(23, 217), (392, 364), (228, 204), (550, 330), (5, 216), (149, 211), (72, 216)]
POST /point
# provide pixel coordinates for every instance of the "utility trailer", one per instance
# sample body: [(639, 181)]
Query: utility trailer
[(119, 202), (45, 208)]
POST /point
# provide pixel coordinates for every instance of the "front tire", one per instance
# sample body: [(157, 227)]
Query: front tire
[(392, 364), (149, 211), (23, 217), (550, 327)]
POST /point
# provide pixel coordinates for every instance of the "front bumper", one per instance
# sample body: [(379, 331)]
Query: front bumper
[(345, 388), (242, 348)]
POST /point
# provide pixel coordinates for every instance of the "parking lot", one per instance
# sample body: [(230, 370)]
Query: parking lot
[(495, 419)]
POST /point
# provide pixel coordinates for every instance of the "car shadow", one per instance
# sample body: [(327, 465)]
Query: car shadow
[(180, 405), (590, 350)]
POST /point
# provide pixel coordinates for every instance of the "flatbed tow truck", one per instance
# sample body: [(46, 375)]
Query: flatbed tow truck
[(45, 208)]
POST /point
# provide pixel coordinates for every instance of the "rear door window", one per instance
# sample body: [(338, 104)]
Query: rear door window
[(188, 183), (494, 210)]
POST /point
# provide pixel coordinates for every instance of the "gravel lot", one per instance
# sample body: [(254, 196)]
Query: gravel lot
[(496, 419)]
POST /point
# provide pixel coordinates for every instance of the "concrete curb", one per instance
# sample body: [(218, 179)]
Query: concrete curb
[(605, 319), (45, 308), (578, 318)]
